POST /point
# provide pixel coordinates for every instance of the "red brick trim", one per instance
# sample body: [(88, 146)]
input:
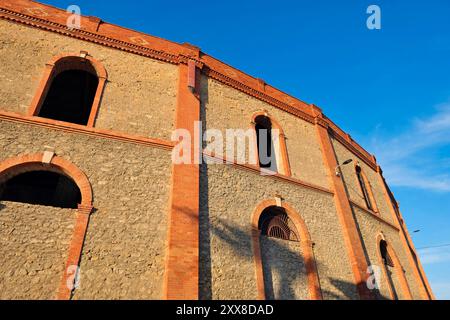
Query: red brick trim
[(344, 211), (282, 152), (14, 166), (79, 129), (407, 244), (31, 162), (181, 278), (368, 187), (256, 170), (349, 143), (156, 48), (374, 215), (236, 79), (397, 267), (315, 292), (60, 63), (68, 279), (409, 241)]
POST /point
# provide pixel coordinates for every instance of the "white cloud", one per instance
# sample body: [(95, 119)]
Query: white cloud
[(434, 255), (410, 158)]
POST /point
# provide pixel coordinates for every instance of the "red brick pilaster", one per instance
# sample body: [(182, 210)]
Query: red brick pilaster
[(181, 279), (76, 245), (419, 275), (352, 239)]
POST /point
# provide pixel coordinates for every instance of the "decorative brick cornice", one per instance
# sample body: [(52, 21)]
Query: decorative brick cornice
[(87, 36), (321, 122), (94, 30), (223, 78), (350, 144)]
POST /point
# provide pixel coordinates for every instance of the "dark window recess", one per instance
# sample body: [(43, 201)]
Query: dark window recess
[(275, 223), (388, 264), (70, 97), (263, 128), (42, 188), (364, 189), (387, 260)]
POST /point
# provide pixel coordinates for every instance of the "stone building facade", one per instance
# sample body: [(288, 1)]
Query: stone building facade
[(92, 205)]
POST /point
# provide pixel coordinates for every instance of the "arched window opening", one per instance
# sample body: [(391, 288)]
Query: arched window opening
[(387, 260), (275, 223), (266, 152), (364, 188), (70, 97), (281, 256), (71, 94), (387, 265), (45, 188)]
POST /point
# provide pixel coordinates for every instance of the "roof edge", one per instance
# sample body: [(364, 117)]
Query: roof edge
[(50, 18)]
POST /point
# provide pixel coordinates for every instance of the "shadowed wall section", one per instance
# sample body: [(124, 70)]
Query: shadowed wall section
[(284, 272)]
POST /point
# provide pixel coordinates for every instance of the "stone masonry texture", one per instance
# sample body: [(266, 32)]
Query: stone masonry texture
[(126, 242), (33, 246), (123, 256), (228, 198), (25, 51)]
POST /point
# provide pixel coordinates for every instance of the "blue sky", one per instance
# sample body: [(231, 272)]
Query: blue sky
[(389, 88)]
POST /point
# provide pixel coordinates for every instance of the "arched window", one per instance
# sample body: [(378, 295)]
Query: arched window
[(41, 188), (275, 223), (271, 145), (393, 271), (283, 253), (266, 153), (282, 258), (29, 185), (388, 266), (70, 90), (70, 97), (366, 190)]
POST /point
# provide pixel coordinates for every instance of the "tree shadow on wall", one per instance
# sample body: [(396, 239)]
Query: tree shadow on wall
[(239, 240), (282, 266)]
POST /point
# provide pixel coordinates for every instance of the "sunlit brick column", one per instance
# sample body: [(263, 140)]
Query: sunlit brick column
[(350, 232), (425, 289), (181, 279), (76, 245)]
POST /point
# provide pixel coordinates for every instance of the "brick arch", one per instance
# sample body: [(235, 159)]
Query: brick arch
[(315, 292), (397, 268), (98, 66), (32, 162), (69, 61), (368, 186), (282, 154)]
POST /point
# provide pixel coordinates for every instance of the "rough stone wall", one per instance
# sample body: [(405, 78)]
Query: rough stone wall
[(228, 197), (227, 108), (369, 228), (285, 276), (351, 181), (34, 242), (123, 256), (139, 97)]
